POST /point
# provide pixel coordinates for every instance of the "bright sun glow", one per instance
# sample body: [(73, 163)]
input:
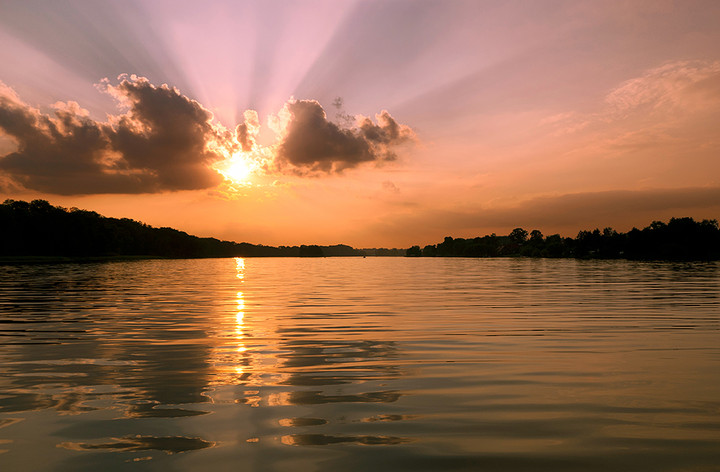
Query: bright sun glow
[(239, 171), (236, 169)]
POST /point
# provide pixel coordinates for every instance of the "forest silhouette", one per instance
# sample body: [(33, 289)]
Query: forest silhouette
[(38, 229), (679, 239)]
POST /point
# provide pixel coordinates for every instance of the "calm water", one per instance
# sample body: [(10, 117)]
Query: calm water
[(360, 364)]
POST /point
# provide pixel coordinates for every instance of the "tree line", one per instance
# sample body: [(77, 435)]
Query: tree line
[(37, 228), (679, 239)]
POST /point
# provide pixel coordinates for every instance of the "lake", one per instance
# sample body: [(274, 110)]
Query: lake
[(422, 364)]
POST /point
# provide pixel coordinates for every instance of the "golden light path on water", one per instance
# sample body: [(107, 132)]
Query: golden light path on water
[(240, 316), (246, 365)]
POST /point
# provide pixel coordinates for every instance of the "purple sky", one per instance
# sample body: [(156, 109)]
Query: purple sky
[(555, 115)]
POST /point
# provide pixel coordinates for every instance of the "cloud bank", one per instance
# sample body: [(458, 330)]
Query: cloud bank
[(601, 208), (164, 141)]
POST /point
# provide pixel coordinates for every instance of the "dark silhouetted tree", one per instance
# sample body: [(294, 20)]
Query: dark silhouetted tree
[(414, 252), (518, 235), (311, 251)]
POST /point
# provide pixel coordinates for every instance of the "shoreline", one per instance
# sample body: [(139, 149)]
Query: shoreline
[(41, 260)]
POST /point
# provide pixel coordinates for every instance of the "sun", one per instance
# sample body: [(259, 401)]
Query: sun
[(239, 171), (237, 168)]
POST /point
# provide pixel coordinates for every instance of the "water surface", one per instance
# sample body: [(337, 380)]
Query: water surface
[(360, 364)]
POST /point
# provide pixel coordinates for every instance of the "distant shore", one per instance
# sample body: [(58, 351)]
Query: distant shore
[(39, 233), (15, 260), (681, 239), (39, 260)]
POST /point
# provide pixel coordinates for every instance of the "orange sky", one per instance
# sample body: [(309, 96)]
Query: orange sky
[(555, 115)]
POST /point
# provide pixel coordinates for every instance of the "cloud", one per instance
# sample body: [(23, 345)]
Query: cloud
[(389, 186), (164, 141), (311, 144)]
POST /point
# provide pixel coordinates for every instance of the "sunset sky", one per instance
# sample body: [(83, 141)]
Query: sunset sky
[(369, 123)]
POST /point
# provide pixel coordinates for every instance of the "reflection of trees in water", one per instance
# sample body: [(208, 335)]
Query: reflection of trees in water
[(321, 362), (325, 439), (167, 375), (152, 377), (317, 363), (123, 335), (315, 397), (335, 370), (169, 444), (155, 377), (303, 363), (93, 331)]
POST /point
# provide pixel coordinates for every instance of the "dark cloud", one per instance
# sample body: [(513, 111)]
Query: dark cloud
[(311, 143), (243, 137), (162, 142), (165, 134), (246, 132), (56, 154)]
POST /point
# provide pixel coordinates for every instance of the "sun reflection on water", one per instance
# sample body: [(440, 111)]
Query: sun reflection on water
[(240, 267), (232, 356), (240, 317), (240, 323)]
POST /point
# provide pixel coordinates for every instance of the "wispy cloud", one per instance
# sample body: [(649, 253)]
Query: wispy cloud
[(660, 96), (672, 85)]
